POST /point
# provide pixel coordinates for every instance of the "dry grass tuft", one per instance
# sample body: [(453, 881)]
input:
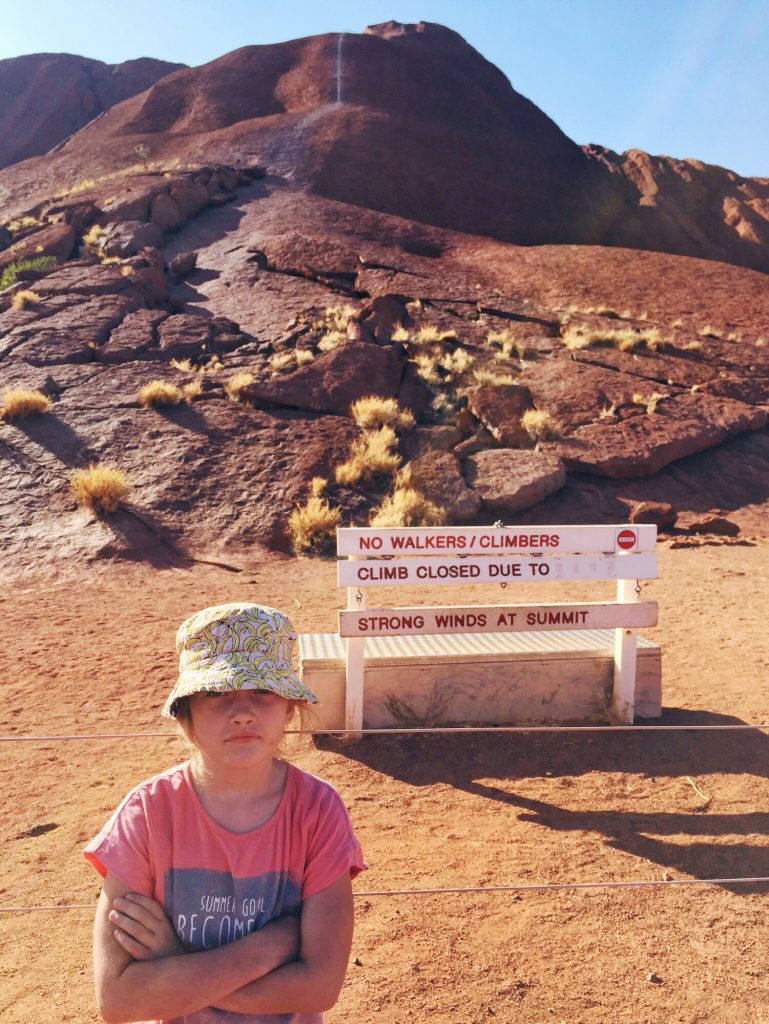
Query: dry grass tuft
[(608, 412), (19, 403), (486, 376), (336, 318), (372, 412), (233, 388), (709, 331), (25, 297), (540, 425), (332, 340), (507, 343), (283, 362), (371, 457), (427, 368), (407, 506), (100, 488), (650, 402), (312, 526), (303, 356), (678, 322), (400, 334), (159, 394), (191, 391), (456, 362)]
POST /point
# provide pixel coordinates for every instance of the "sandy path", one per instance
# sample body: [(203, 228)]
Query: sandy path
[(430, 811)]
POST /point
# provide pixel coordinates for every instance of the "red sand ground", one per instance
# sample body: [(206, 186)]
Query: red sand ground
[(95, 655)]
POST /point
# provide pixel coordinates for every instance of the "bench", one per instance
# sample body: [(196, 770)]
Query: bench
[(494, 664)]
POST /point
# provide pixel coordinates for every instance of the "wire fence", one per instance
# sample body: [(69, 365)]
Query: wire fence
[(413, 730), (417, 730)]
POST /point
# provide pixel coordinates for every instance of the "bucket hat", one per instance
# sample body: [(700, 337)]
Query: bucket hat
[(239, 646)]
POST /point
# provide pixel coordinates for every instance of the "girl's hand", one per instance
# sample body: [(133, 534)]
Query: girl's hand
[(142, 928)]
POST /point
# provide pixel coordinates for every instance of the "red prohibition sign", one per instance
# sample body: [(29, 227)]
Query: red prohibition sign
[(626, 539)]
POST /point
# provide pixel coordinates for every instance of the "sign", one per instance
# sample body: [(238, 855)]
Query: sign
[(398, 571), (498, 618), (489, 540), (627, 539)]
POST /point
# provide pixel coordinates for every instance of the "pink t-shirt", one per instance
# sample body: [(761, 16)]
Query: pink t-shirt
[(216, 885)]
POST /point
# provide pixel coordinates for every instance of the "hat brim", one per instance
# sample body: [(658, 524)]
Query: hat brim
[(285, 684)]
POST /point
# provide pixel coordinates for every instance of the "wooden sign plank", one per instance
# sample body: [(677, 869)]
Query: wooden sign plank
[(367, 572), (496, 618), (489, 540)]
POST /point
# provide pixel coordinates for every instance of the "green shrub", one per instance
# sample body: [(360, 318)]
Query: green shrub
[(11, 273)]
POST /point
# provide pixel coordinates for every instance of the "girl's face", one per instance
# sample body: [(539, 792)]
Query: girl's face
[(238, 728)]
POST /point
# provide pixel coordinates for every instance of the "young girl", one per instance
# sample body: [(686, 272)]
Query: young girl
[(227, 880)]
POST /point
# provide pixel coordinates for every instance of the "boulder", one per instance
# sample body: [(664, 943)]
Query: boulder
[(165, 213), (383, 315), (643, 444), (334, 380), (654, 513), (429, 439), (184, 263), (510, 480), (190, 199), (438, 476), (149, 275), (500, 407), (478, 442), (129, 237), (714, 524), (57, 240)]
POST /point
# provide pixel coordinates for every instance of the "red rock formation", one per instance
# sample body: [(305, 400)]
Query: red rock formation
[(45, 97)]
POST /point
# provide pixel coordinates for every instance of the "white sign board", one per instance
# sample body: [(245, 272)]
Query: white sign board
[(399, 571), (489, 540), (497, 618)]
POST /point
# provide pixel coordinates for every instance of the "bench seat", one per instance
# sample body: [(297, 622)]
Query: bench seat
[(478, 678)]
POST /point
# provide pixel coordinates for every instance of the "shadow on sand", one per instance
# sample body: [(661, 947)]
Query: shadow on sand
[(461, 760)]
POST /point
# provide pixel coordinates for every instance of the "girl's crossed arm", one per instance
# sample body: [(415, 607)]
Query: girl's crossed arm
[(311, 983), (177, 982)]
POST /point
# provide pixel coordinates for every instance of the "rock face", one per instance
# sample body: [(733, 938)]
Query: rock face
[(44, 97), (512, 481), (332, 111)]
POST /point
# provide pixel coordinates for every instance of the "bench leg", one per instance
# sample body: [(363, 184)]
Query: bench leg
[(353, 703), (625, 647)]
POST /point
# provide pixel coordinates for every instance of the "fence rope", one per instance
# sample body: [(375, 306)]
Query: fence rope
[(519, 887), (409, 731)]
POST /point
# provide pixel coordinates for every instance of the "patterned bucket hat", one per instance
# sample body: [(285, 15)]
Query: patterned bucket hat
[(240, 646)]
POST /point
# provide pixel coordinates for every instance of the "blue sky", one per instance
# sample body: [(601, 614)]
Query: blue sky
[(685, 78)]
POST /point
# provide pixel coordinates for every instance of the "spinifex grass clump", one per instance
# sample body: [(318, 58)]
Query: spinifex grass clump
[(371, 458), (233, 388), (372, 412), (540, 425), (23, 298), (159, 394), (100, 487), (407, 506), (312, 526), (18, 403)]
